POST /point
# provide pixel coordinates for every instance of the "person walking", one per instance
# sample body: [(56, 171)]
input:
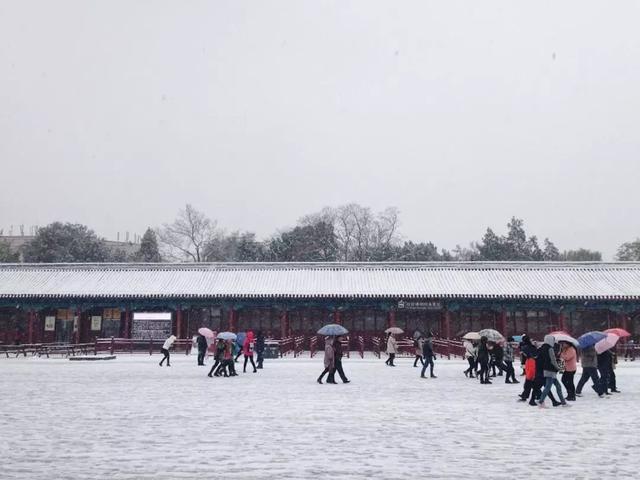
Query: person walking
[(569, 355), (470, 352), (168, 343), (247, 350), (612, 372), (589, 362), (202, 348), (550, 371), (428, 356), (528, 353), (337, 363), (219, 359), (497, 359), (260, 349), (605, 363), (508, 362), (483, 361), (418, 343), (329, 359), (392, 349)]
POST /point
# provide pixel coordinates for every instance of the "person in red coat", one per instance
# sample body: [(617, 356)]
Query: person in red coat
[(247, 351)]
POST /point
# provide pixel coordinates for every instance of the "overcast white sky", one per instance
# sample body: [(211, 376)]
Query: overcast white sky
[(460, 113)]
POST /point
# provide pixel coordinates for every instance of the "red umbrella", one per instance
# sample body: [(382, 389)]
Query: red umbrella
[(621, 332)]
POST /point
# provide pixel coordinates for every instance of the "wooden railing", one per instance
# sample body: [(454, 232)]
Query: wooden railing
[(298, 346), (130, 345), (47, 349)]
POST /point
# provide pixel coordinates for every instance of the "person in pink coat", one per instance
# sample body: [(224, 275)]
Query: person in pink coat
[(569, 355), (247, 350)]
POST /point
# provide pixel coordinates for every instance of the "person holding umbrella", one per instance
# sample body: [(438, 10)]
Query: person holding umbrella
[(569, 355), (428, 356), (392, 349), (550, 371), (168, 343), (483, 361), (589, 362), (219, 359), (329, 360), (337, 363)]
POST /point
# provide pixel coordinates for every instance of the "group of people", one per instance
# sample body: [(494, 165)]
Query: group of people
[(226, 353), (333, 360), (485, 357), (541, 366)]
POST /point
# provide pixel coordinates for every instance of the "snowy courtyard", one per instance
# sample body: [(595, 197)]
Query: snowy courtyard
[(131, 419)]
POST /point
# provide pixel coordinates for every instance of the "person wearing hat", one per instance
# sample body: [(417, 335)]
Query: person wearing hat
[(550, 371)]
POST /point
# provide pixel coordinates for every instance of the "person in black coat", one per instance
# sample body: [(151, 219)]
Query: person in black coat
[(541, 360), (497, 360), (428, 356), (605, 367), (528, 353), (260, 348), (483, 361), (337, 363), (202, 348)]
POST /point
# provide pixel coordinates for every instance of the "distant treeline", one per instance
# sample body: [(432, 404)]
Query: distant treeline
[(347, 233)]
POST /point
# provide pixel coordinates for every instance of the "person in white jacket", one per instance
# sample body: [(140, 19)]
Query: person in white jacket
[(470, 352), (392, 349), (168, 343)]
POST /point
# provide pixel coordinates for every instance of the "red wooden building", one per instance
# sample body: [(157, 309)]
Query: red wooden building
[(79, 302)]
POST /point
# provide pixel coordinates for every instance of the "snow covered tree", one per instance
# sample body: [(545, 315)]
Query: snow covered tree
[(149, 250), (235, 247), (305, 243), (7, 255), (515, 246), (189, 234), (581, 255), (629, 251), (417, 252), (551, 252), (66, 243)]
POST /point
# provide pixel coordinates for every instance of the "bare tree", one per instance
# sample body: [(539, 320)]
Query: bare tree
[(361, 235), (188, 235)]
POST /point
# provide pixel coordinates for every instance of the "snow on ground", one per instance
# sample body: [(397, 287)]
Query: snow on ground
[(130, 419)]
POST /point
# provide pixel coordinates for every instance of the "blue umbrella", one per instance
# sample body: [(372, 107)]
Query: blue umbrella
[(333, 330), (226, 336), (590, 339), (240, 336)]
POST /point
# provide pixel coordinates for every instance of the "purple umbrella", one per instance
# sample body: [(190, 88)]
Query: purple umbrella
[(606, 343)]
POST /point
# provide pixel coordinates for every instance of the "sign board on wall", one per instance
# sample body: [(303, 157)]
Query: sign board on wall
[(49, 324), (419, 305), (151, 325), (96, 323)]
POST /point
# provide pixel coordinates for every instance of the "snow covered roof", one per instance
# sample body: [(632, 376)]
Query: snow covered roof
[(491, 280)]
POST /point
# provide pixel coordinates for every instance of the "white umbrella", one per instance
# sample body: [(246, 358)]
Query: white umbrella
[(491, 334), (563, 337), (394, 330), (227, 336), (472, 336)]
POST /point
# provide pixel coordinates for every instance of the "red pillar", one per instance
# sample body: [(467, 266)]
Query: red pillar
[(392, 318), (337, 318), (284, 324), (502, 323), (233, 318), (126, 332), (624, 321), (30, 328), (78, 333), (561, 321), (446, 333), (179, 322)]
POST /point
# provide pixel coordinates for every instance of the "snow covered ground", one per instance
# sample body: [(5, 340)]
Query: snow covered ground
[(130, 419)]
